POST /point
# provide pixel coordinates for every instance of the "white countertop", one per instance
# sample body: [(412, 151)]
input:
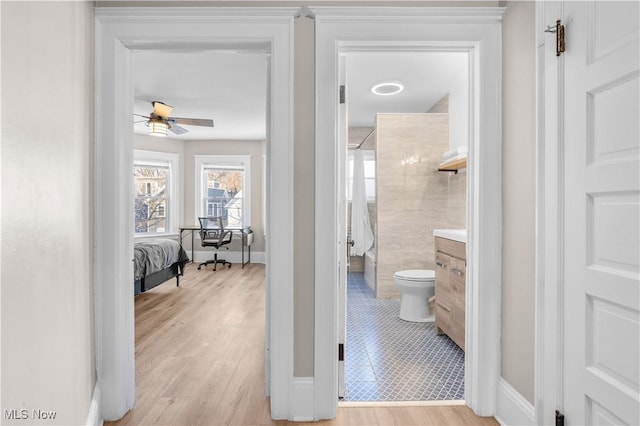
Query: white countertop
[(452, 234)]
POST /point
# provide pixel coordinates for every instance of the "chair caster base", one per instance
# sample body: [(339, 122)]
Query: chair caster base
[(215, 264)]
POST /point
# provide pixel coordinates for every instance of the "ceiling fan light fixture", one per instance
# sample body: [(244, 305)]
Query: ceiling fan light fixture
[(158, 127), (387, 88)]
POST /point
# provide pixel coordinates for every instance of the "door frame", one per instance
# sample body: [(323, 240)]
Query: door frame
[(343, 142), (118, 31), (478, 30), (549, 275)]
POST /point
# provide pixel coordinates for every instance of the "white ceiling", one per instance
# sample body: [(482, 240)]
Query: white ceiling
[(231, 87), (226, 86), (426, 76)]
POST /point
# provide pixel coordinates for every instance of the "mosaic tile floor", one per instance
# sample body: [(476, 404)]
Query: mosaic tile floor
[(388, 359)]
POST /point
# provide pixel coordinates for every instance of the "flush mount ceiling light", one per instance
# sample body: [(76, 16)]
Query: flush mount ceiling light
[(387, 88)]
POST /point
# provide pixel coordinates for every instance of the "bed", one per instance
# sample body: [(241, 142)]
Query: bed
[(156, 261)]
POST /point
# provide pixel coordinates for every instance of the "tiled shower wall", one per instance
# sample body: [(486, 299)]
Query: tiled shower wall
[(413, 197)]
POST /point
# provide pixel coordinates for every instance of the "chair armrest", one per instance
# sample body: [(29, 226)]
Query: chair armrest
[(227, 236)]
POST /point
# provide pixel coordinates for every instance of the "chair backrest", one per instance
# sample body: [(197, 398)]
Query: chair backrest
[(212, 232), (211, 222)]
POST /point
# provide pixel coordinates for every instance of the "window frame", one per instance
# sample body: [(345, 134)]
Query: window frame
[(173, 200), (369, 156), (202, 161)]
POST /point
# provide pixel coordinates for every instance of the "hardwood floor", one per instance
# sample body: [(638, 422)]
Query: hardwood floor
[(200, 358)]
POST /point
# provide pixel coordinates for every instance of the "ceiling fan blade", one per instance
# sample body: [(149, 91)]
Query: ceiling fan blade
[(177, 129), (140, 121), (192, 121), (161, 109), (140, 115)]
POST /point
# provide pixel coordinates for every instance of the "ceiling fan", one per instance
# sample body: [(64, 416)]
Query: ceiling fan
[(159, 121)]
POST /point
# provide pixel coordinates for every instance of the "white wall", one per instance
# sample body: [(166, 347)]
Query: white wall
[(456, 104), (518, 230), (459, 111), (154, 143), (47, 214)]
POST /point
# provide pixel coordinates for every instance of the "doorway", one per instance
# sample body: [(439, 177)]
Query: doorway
[(397, 141), (121, 31), (340, 30)]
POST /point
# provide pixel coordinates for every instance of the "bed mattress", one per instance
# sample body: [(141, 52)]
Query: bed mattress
[(155, 255)]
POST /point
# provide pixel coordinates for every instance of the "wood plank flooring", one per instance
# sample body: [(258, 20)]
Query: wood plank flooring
[(200, 358)]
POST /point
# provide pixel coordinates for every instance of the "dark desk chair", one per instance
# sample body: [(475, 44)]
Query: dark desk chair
[(213, 234)]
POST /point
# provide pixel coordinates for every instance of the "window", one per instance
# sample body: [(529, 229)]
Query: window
[(223, 182), (156, 198), (369, 175)]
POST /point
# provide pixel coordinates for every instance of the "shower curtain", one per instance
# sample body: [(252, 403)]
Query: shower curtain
[(361, 232)]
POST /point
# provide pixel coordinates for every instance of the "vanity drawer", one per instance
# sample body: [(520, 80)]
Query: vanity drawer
[(450, 247)]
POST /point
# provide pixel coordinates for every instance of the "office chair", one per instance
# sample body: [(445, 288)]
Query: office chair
[(213, 234)]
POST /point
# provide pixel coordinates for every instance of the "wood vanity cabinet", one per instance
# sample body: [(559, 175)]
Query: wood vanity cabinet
[(451, 268)]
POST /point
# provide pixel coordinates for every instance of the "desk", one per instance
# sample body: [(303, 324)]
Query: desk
[(244, 231)]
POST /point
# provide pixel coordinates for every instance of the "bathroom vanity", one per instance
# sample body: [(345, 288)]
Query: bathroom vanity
[(451, 265)]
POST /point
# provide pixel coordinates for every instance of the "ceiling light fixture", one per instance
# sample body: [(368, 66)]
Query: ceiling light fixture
[(158, 127), (387, 88)]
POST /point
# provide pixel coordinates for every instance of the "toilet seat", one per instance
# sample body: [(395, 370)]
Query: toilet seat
[(415, 275)]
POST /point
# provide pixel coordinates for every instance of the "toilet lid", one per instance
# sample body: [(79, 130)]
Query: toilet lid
[(416, 275)]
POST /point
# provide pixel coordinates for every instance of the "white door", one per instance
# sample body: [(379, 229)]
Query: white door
[(601, 212), (343, 135)]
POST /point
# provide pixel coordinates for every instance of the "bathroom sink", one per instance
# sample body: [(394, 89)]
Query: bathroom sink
[(452, 234)]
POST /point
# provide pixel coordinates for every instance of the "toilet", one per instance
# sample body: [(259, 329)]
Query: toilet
[(416, 286)]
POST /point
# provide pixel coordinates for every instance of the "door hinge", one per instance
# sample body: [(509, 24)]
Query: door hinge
[(558, 29), (342, 94), (559, 418), (340, 351)]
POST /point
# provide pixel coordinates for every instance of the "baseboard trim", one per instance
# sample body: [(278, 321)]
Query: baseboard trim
[(302, 410), (231, 256), (94, 418), (511, 407), (448, 403)]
